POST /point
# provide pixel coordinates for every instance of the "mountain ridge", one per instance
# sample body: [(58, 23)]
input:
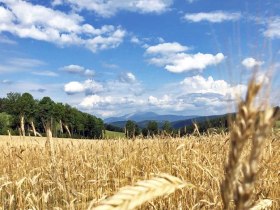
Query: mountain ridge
[(148, 116)]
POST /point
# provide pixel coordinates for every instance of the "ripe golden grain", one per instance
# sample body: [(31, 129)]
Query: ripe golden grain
[(132, 196), (95, 170), (82, 174)]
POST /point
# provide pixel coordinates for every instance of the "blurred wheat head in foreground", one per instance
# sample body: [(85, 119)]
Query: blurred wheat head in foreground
[(248, 133)]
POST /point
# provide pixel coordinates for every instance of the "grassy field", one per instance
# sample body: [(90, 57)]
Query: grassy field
[(113, 135), (84, 172)]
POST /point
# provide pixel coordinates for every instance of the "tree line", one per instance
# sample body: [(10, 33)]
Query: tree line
[(21, 114), (165, 128), (152, 129)]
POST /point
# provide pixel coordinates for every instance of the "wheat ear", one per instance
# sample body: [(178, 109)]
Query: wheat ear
[(132, 196), (241, 131), (244, 191)]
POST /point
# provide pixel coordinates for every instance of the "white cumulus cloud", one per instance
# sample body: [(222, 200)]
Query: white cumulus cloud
[(135, 40), (105, 102), (199, 84), (74, 87), (76, 69), (250, 63), (127, 77), (168, 102), (25, 20), (92, 87), (95, 100), (198, 94), (88, 87), (108, 8), (57, 2), (173, 58), (89, 73), (166, 48), (213, 17)]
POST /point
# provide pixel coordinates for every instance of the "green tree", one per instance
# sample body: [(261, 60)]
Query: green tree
[(64, 116), (5, 123), (11, 106), (68, 118), (166, 127), (49, 117), (137, 130), (89, 126), (2, 104), (93, 127), (99, 128), (145, 132), (152, 128), (78, 122), (26, 104), (130, 129), (10, 103), (20, 106), (46, 112)]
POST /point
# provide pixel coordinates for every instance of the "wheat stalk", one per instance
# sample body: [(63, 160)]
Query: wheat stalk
[(132, 196), (240, 133), (250, 122), (244, 190)]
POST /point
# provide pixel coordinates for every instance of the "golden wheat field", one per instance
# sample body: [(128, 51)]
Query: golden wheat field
[(85, 173)]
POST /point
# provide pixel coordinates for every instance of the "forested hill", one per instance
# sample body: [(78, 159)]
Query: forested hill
[(22, 114)]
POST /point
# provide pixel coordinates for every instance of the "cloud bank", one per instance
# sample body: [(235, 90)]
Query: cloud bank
[(25, 20), (109, 8), (173, 58), (213, 17)]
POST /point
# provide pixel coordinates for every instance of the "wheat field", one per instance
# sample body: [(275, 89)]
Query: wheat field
[(83, 173)]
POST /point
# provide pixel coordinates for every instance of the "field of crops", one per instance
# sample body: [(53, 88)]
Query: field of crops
[(83, 173)]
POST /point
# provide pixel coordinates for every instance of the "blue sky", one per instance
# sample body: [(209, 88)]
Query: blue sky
[(114, 57)]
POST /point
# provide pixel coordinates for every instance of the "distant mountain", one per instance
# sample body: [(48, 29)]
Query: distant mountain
[(175, 124), (120, 124), (203, 122), (142, 119), (147, 116)]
